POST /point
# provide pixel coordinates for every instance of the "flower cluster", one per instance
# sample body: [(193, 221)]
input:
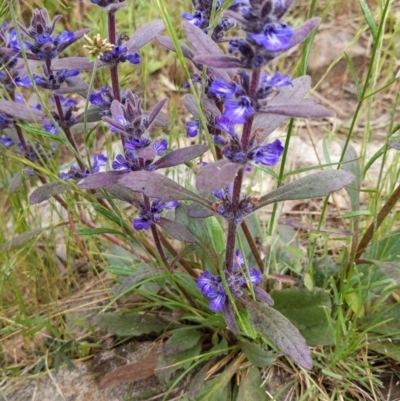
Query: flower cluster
[(75, 173), (152, 214), (225, 208), (53, 80), (237, 279), (119, 54), (68, 107)]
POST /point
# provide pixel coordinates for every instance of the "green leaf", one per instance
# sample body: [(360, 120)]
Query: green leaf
[(352, 165), (308, 311), (385, 322), (142, 271), (354, 75), (198, 227), (275, 327), (181, 340), (250, 387), (313, 186), (385, 347), (369, 18), (117, 256), (130, 324), (197, 381), (257, 354), (386, 249)]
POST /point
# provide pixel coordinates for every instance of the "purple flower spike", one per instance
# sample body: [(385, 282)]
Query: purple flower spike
[(192, 128), (224, 90), (268, 154), (275, 37), (5, 141), (99, 161), (238, 111)]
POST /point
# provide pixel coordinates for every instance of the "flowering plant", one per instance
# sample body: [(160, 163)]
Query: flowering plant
[(204, 291)]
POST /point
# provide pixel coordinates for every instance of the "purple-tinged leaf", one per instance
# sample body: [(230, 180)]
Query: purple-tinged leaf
[(219, 61), (210, 106), (146, 153), (46, 191), (92, 115), (121, 193), (216, 175), (352, 165), (262, 295), (315, 185), (75, 63), (300, 33), (144, 34), (16, 181), (236, 16), (180, 156), (71, 89), (256, 354), (176, 230), (167, 43), (197, 211), (100, 180), (278, 329), (20, 111), (113, 7), (229, 317), (21, 239), (291, 94), (190, 105), (204, 45), (11, 53), (162, 120), (302, 110), (158, 186), (156, 111)]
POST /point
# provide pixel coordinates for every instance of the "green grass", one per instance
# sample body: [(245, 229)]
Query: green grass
[(46, 295)]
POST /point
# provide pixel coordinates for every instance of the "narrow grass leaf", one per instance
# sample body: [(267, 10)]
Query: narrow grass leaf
[(21, 239), (369, 18), (278, 329), (250, 386), (99, 230), (354, 75)]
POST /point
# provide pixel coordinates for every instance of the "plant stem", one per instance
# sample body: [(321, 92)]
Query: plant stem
[(389, 205), (253, 246)]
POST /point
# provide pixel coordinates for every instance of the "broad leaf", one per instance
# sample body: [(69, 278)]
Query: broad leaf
[(257, 354), (190, 105), (180, 156), (250, 386), (278, 329), (303, 109), (176, 230), (16, 181), (119, 192), (22, 238), (92, 115), (218, 61), (386, 249), (144, 34), (308, 311), (46, 191), (100, 180), (301, 32), (182, 340), (390, 269), (313, 186), (217, 175), (75, 63), (155, 112), (167, 43), (197, 211), (130, 324), (158, 186), (22, 112)]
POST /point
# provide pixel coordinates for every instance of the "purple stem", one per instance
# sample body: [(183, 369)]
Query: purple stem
[(237, 184)]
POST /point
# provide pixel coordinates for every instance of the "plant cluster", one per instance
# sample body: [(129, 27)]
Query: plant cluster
[(225, 306)]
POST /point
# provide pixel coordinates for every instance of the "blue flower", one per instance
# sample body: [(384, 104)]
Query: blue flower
[(268, 154), (192, 128), (142, 223), (271, 83), (160, 146), (274, 37), (224, 90), (237, 111), (196, 79), (5, 141), (223, 123), (51, 128), (196, 19), (75, 173), (54, 80), (120, 54), (5, 121), (125, 165)]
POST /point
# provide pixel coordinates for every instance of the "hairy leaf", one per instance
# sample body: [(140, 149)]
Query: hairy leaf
[(92, 115), (216, 175), (218, 61), (156, 111), (229, 316), (182, 340), (262, 295), (46, 191), (17, 180), (304, 109), (190, 104), (180, 156), (313, 186), (257, 354), (133, 279), (351, 164), (158, 186), (176, 230), (301, 32), (167, 43), (18, 110), (130, 324), (210, 106), (144, 34), (250, 386), (308, 311), (277, 328), (100, 180), (131, 372), (75, 63), (197, 211), (121, 193)]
